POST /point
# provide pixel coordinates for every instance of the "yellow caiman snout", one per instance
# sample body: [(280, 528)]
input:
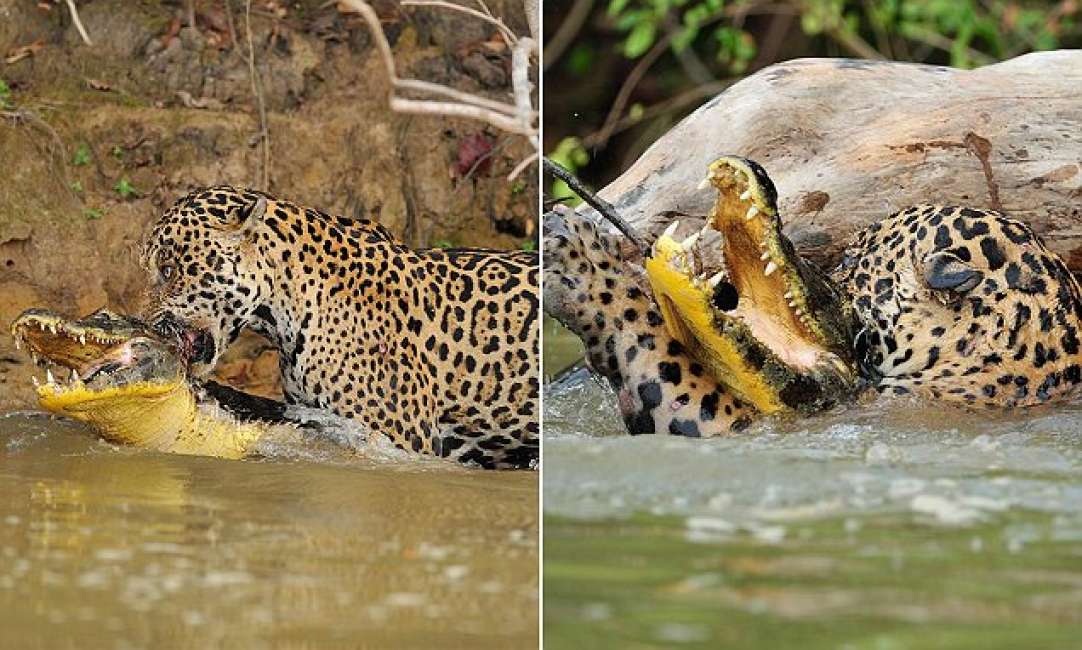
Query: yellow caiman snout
[(765, 323), (110, 372)]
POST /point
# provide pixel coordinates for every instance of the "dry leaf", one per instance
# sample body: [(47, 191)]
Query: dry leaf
[(23, 51)]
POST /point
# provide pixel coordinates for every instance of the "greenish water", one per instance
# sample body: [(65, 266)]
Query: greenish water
[(104, 547), (889, 526)]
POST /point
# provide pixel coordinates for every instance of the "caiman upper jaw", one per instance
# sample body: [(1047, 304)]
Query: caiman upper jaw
[(80, 351), (745, 304), (70, 343)]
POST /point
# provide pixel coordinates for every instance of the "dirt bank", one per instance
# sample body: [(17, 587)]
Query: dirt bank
[(97, 140)]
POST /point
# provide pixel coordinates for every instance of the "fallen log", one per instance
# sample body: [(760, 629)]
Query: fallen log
[(848, 142)]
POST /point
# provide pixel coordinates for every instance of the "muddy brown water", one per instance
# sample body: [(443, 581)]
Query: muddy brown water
[(107, 547)]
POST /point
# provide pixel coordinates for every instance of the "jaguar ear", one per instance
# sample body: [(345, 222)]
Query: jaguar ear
[(945, 271), (251, 215)]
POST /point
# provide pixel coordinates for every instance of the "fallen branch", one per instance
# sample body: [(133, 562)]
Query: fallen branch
[(78, 23), (603, 207)]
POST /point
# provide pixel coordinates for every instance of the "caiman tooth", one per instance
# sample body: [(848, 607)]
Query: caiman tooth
[(690, 241), (704, 183), (746, 195), (788, 295), (798, 312), (770, 268), (752, 211), (792, 303), (49, 376), (18, 344), (671, 230), (34, 380), (765, 256), (52, 328), (716, 279), (82, 339)]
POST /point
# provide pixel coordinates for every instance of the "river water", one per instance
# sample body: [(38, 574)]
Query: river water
[(890, 525), (106, 547)]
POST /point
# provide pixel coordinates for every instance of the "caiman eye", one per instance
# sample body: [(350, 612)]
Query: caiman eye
[(167, 271)]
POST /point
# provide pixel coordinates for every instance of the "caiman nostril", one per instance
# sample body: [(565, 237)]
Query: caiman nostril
[(725, 297)]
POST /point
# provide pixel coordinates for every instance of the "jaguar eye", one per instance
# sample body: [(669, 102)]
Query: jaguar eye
[(167, 271)]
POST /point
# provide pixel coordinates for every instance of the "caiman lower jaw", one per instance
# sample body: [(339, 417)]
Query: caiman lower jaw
[(736, 295), (75, 398)]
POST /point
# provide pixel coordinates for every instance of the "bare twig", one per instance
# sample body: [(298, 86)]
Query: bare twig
[(567, 32), (457, 95), (630, 82), (483, 15), (229, 22), (854, 43), (257, 90), (78, 23), (603, 207), (521, 167), (673, 104), (516, 118), (533, 17)]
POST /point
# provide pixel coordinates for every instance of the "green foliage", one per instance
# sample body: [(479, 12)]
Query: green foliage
[(5, 96), (77, 187), (91, 214), (967, 32), (118, 153), (82, 156), (685, 22), (442, 243), (125, 189), (529, 245), (572, 156)]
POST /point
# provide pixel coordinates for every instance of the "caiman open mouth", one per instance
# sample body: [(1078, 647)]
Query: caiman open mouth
[(100, 356), (766, 323)]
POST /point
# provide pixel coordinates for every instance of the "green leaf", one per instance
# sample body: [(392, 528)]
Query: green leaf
[(124, 188), (82, 156), (90, 214), (442, 243), (617, 6), (640, 39), (529, 245)]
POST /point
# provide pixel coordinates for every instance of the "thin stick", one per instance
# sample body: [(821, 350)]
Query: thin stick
[(450, 109), (78, 23), (522, 166), (264, 133), (603, 207), (506, 117), (458, 95), (507, 33), (567, 32)]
